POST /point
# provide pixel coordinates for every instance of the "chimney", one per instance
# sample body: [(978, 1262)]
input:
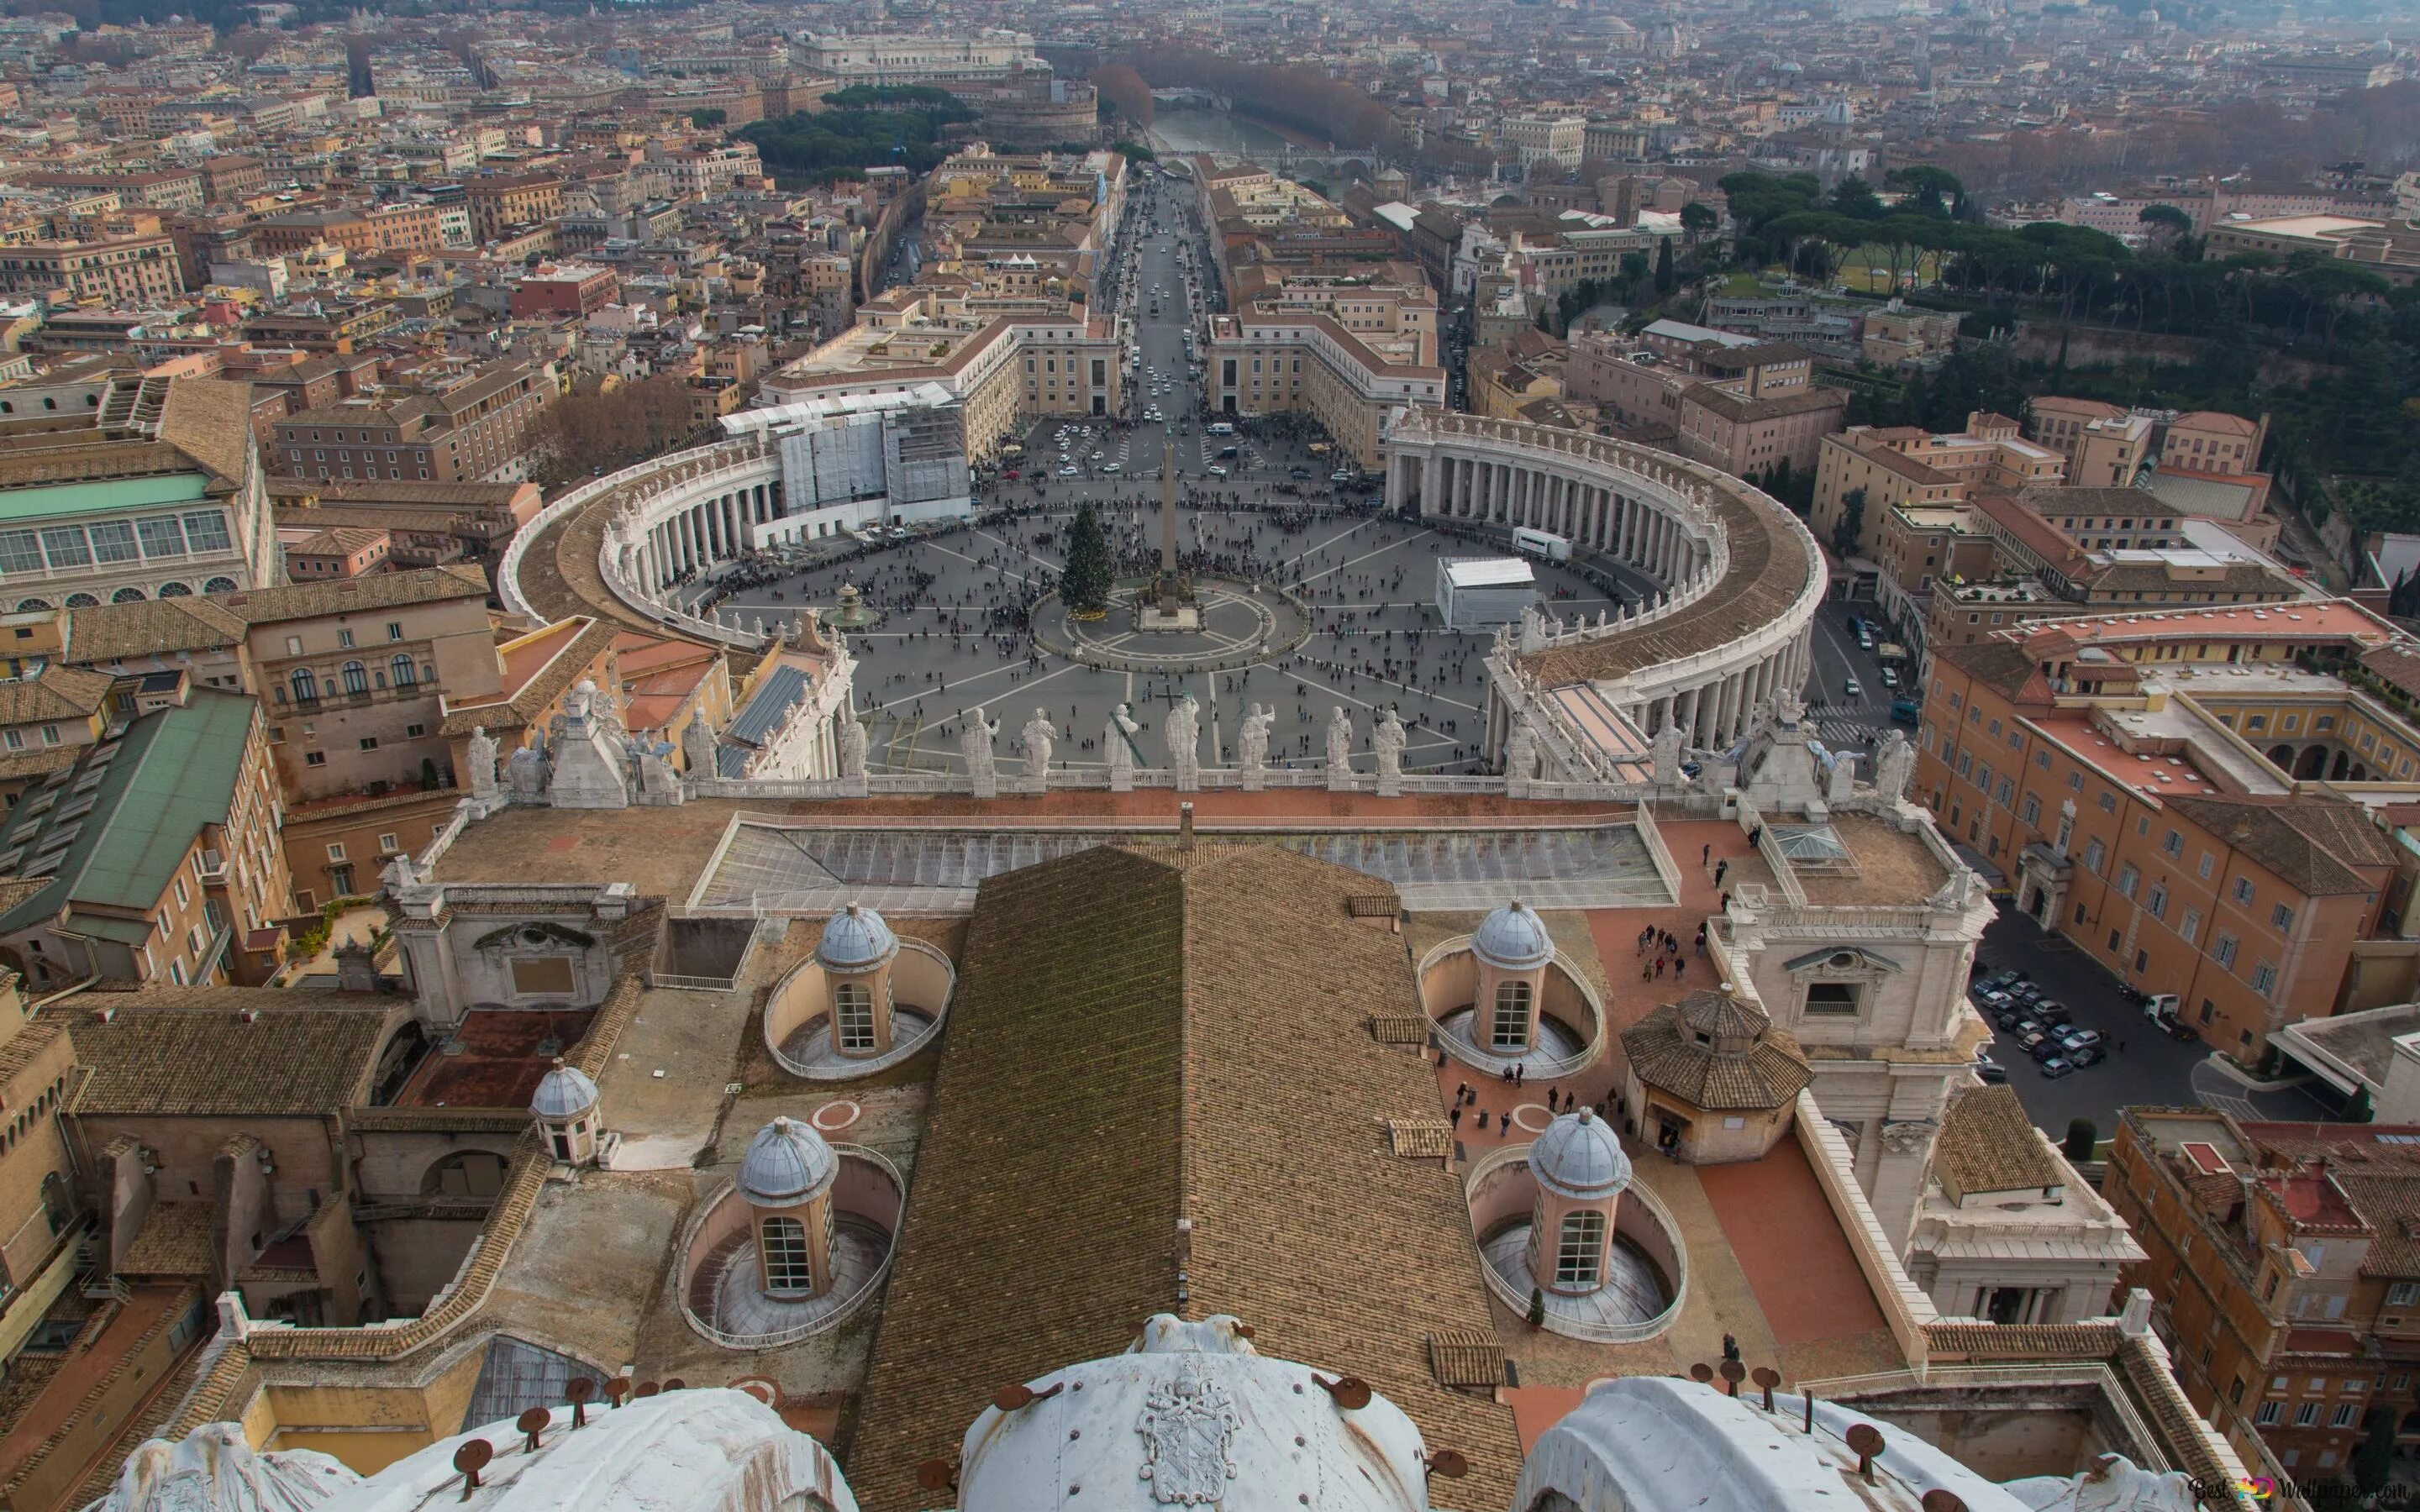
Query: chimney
[(1185, 827)]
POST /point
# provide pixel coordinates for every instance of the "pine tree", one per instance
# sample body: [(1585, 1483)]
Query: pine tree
[(1665, 276), (1085, 584)]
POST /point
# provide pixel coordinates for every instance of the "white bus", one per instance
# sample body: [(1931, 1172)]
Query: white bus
[(1545, 544), (1219, 427)]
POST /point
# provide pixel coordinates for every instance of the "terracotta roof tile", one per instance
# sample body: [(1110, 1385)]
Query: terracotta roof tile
[(1988, 1143)]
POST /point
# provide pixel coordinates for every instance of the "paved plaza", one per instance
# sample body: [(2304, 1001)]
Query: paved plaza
[(951, 640)]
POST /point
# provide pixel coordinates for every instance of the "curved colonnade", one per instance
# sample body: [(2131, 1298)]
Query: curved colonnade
[(1742, 578), (651, 526)]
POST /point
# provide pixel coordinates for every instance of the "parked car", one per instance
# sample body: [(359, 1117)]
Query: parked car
[(2037, 1045), (2003, 980), (2050, 1011), (2080, 1039), (2056, 1066), (1989, 1070), (1906, 711), (1853, 689), (2087, 1056)]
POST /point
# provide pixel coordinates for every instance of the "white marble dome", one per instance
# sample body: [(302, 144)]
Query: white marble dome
[(1579, 1156), (1513, 938), (787, 1162), (564, 1092), (1192, 1416), (856, 939)]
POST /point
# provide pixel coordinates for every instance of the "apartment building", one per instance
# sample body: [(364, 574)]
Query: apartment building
[(471, 428), (1264, 363), (1730, 401), (553, 291), (2138, 778), (504, 200), (1889, 466), (1559, 140), (155, 858), (2282, 1273), (135, 269)]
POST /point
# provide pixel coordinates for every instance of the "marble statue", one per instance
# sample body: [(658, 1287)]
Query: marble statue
[(1117, 742), (852, 749), (1036, 734), (1184, 733), (1668, 755), (1388, 737), (1340, 741), (1788, 708), (1520, 757), (1894, 763), (1253, 746), (525, 774), (697, 745), (482, 757), (974, 744)]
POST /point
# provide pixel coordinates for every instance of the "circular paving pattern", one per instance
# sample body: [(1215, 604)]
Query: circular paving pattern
[(1242, 625), (1523, 1115), (835, 1116)]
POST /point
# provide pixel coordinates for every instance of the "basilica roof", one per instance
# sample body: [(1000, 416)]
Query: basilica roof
[(1145, 1036)]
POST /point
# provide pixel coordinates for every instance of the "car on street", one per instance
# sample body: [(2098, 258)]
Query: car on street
[(2056, 1066), (1218, 471), (2073, 1038), (1906, 711), (1988, 1070), (2037, 1045), (2050, 1011), (1340, 476), (1890, 677), (1853, 688), (1068, 471), (1113, 467)]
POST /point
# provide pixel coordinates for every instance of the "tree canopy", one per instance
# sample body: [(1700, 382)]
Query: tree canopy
[(867, 127)]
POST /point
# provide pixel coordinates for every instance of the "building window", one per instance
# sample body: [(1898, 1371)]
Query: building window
[(1579, 1249), (2347, 1413), (315, 757), (369, 743), (2223, 949), (2306, 1415), (1833, 998), (785, 1255), (2243, 890), (357, 678), (2270, 1415), (306, 686), (1511, 1027), (853, 1016), (2403, 1294), (401, 670), (2264, 976), (2282, 917)]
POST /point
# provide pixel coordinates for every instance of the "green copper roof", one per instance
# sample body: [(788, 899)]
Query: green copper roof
[(170, 774), (100, 497)]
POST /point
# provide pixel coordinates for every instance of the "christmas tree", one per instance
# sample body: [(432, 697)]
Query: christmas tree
[(1085, 584)]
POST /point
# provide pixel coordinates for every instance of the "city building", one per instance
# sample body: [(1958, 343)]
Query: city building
[(155, 858), (2140, 779), (2278, 1262)]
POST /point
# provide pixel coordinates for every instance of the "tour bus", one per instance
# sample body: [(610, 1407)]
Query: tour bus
[(1544, 544)]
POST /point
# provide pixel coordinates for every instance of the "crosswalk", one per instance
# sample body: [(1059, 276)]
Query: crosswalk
[(1847, 733)]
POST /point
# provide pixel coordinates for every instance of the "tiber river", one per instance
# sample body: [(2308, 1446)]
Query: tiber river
[(1210, 130)]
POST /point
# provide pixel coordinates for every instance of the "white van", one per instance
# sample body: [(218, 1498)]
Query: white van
[(1219, 427)]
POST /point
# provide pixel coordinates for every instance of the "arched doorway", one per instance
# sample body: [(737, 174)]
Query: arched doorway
[(2344, 764), (2282, 758), (2314, 762)]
